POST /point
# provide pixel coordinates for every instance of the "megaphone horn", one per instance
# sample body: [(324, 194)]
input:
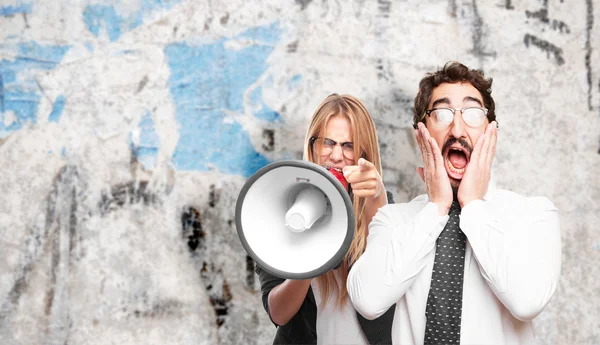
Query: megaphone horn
[(295, 219)]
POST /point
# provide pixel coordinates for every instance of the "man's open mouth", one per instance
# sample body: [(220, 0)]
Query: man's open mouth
[(456, 161)]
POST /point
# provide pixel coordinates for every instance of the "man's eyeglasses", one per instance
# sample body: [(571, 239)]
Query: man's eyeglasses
[(443, 117), (324, 147)]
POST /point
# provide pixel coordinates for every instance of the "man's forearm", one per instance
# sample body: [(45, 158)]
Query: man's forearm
[(395, 253), (519, 255)]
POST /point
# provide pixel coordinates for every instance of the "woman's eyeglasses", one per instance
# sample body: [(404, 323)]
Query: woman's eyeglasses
[(324, 147)]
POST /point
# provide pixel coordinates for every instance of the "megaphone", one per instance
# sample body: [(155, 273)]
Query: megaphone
[(295, 219)]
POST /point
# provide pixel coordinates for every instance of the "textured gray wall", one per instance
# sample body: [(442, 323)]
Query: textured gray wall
[(128, 128)]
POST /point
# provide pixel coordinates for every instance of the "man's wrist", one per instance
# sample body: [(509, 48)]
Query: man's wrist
[(465, 201), (443, 209)]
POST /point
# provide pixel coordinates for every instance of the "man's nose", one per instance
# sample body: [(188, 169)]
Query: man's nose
[(458, 125)]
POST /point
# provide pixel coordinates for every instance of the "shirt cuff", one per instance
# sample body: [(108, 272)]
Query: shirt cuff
[(429, 219), (475, 216)]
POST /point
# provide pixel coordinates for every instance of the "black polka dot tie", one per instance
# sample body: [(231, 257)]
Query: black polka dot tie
[(444, 303)]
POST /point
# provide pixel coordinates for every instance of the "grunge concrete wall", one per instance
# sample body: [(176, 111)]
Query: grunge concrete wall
[(127, 129)]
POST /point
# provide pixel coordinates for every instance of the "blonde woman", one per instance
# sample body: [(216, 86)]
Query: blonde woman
[(341, 136)]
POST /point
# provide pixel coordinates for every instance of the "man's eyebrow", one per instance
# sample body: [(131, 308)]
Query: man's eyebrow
[(472, 99), (439, 101), (445, 100)]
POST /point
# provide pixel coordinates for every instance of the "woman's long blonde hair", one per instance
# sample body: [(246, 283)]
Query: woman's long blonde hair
[(366, 145)]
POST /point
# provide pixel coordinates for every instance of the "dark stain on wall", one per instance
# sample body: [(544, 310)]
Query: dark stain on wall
[(545, 46), (250, 279), (158, 309), (269, 134), (220, 299), (225, 19), (561, 26), (214, 196), (142, 83), (303, 3), (54, 262), (60, 227), (382, 26), (508, 5), (381, 71), (292, 47), (589, 23), (192, 229), (216, 285), (221, 304), (61, 221), (126, 193), (478, 37), (385, 7), (402, 103), (65, 224), (73, 221), (26, 21), (452, 8), (542, 16), (12, 298), (207, 23)]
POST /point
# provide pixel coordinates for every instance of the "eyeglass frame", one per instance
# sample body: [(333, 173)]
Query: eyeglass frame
[(453, 110), (314, 138)]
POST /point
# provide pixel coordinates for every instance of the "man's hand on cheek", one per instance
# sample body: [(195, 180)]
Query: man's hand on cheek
[(477, 175), (437, 183)]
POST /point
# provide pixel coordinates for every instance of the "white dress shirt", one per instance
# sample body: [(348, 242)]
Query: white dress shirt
[(335, 324), (512, 266)]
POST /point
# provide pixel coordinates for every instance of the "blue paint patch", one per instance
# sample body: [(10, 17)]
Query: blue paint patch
[(96, 17), (125, 52), (295, 81), (10, 10), (43, 56), (89, 46), (268, 34), (57, 109), (263, 112), (99, 16), (20, 109), (147, 149), (20, 97), (1, 93), (205, 82), (63, 151), (8, 76)]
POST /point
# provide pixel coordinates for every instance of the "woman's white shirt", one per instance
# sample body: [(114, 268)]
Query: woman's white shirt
[(335, 324)]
